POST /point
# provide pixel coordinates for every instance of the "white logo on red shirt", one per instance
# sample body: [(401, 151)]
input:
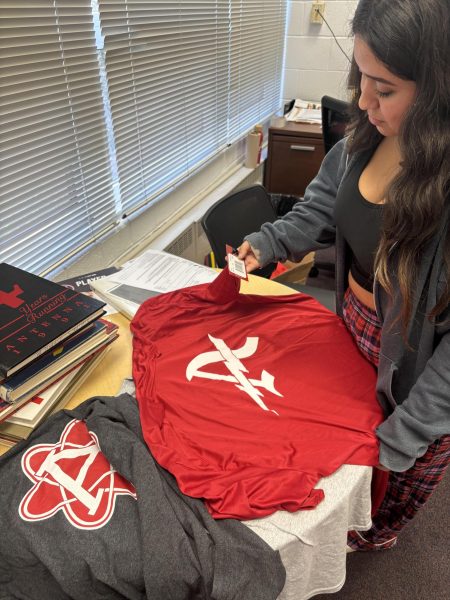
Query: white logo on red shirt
[(72, 476), (230, 358)]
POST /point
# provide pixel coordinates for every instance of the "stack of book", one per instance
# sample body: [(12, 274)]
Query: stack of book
[(51, 337)]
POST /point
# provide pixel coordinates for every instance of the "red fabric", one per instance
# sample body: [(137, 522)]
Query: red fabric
[(279, 269), (216, 439), (379, 485)]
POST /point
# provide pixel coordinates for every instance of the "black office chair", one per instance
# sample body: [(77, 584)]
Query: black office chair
[(241, 213), (235, 216), (335, 117)]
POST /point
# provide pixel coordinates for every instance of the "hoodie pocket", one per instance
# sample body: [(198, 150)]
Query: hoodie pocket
[(387, 370)]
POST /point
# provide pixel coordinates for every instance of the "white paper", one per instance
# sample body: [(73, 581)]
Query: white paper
[(147, 275), (305, 112), (162, 272)]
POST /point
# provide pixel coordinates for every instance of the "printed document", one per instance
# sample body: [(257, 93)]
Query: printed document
[(147, 275)]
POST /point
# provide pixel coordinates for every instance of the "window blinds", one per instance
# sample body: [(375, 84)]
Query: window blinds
[(88, 135), (256, 62), (167, 71), (185, 79), (55, 183)]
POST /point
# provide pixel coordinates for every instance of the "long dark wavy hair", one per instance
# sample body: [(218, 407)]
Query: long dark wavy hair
[(412, 39)]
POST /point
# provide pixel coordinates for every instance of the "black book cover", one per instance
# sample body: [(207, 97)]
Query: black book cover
[(36, 314)]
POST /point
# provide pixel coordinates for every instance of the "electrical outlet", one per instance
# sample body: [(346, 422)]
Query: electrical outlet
[(316, 9)]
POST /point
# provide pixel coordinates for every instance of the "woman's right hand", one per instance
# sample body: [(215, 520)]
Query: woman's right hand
[(246, 254)]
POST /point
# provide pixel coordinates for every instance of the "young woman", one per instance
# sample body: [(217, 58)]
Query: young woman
[(382, 196)]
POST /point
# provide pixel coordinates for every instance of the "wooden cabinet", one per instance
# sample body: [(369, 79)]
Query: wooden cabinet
[(294, 154)]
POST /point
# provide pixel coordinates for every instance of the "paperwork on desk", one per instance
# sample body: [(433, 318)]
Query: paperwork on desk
[(150, 274), (305, 112)]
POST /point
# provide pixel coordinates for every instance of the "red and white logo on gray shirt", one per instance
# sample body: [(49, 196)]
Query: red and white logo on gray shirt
[(72, 476)]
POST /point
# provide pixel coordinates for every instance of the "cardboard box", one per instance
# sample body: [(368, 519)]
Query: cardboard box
[(296, 272)]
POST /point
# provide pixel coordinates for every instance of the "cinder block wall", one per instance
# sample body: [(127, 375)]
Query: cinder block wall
[(314, 63)]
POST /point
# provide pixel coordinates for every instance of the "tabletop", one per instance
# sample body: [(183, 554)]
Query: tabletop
[(311, 543)]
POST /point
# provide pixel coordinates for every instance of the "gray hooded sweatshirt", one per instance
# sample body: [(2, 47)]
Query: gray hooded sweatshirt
[(413, 383)]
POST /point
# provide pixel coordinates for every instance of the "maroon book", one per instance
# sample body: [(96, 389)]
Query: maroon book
[(36, 314)]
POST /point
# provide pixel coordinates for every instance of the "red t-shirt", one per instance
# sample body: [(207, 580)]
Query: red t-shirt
[(249, 400)]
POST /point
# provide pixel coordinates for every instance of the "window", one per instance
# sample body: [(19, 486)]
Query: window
[(98, 124), (55, 181)]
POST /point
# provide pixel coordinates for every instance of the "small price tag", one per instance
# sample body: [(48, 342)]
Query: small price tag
[(236, 266)]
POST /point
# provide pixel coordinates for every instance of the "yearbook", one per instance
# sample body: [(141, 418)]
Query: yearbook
[(37, 314)]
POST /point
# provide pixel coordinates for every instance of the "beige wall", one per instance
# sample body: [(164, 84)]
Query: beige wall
[(314, 64)]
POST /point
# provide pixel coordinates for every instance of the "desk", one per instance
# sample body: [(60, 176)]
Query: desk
[(294, 154), (311, 543)]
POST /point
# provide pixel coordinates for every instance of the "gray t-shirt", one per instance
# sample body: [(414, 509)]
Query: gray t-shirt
[(88, 514)]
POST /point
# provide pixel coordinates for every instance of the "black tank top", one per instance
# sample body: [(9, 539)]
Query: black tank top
[(359, 221)]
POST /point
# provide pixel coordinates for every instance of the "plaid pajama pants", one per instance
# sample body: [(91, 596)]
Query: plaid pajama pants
[(406, 492)]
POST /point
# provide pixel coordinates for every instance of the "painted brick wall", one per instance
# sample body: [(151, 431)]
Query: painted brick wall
[(314, 64)]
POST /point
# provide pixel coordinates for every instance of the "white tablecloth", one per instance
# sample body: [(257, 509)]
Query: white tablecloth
[(312, 543)]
